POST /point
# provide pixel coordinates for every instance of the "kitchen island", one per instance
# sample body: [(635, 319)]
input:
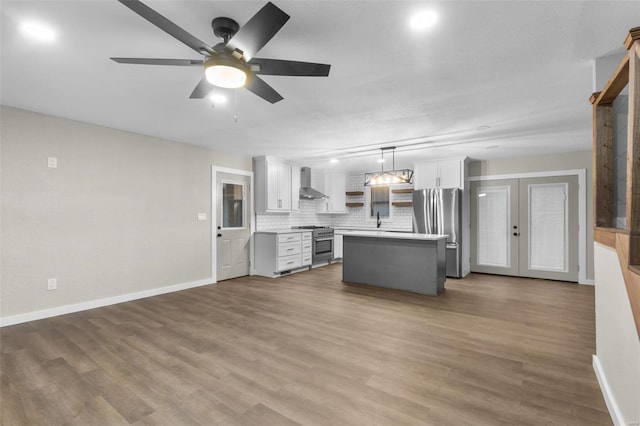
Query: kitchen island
[(397, 260)]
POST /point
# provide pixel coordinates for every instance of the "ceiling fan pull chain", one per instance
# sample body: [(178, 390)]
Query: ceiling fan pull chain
[(235, 115)]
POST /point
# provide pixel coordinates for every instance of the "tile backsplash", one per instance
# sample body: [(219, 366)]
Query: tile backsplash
[(356, 217)]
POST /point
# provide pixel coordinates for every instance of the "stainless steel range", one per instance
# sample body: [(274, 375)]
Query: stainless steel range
[(322, 250)]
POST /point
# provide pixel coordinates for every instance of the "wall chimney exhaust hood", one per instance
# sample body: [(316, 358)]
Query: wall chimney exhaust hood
[(306, 191)]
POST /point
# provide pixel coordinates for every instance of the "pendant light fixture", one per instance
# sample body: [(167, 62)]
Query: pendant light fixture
[(389, 177)]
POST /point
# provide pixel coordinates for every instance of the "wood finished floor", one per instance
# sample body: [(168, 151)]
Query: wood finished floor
[(308, 349)]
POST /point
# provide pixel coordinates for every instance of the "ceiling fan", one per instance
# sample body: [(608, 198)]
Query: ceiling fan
[(231, 63)]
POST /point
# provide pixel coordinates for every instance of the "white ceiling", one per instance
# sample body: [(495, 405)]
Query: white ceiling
[(521, 67)]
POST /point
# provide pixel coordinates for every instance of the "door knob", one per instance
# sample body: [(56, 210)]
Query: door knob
[(219, 235), (516, 234)]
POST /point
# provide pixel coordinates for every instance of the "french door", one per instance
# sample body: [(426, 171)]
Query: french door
[(525, 227)]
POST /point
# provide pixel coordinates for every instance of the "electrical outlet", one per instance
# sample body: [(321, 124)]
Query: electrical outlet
[(202, 216), (52, 284), (52, 162)]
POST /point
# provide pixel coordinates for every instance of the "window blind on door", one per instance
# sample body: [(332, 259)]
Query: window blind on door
[(548, 227), (493, 226)]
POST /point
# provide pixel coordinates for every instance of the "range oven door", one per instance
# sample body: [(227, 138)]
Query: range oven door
[(322, 249)]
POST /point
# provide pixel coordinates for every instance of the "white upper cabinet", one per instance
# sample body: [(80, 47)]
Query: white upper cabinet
[(274, 186), (440, 174), (333, 184)]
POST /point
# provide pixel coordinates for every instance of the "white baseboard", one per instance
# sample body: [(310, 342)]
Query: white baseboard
[(614, 410), (587, 282), (91, 304)]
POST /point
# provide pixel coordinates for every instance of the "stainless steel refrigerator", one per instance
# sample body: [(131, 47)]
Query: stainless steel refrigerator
[(439, 211)]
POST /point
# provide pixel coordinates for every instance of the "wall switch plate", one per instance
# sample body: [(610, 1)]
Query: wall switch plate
[(52, 162), (202, 216), (52, 284)]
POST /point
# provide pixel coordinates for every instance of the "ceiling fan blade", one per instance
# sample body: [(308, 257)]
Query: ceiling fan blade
[(202, 89), (262, 89), (293, 68), (152, 61), (258, 30), (167, 26)]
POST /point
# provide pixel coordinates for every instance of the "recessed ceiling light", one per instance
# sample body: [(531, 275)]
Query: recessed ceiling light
[(333, 160), (423, 20), (218, 98), (492, 147), (483, 128), (38, 31)]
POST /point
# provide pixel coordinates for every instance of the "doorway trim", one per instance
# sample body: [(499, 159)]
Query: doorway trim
[(214, 216), (582, 209)]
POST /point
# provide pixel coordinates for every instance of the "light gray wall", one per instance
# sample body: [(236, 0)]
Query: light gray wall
[(603, 68), (117, 216), (570, 161)]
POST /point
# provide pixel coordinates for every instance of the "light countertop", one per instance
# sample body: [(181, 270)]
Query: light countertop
[(370, 228), (392, 235), (284, 231)]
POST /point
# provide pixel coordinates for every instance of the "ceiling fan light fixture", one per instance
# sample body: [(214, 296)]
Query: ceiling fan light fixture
[(225, 75)]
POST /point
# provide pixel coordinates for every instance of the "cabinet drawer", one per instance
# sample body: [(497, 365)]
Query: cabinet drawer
[(288, 238), (289, 262), (306, 236), (287, 249), (306, 247), (306, 259)]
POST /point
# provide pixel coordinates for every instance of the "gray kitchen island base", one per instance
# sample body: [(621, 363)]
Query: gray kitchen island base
[(415, 265)]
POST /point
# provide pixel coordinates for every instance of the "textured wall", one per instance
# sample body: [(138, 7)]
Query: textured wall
[(117, 216)]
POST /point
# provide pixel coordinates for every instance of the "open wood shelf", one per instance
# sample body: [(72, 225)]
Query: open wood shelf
[(355, 204), (354, 192), (402, 191), (402, 203)]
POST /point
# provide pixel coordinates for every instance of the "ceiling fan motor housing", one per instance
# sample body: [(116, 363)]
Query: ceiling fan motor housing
[(224, 28)]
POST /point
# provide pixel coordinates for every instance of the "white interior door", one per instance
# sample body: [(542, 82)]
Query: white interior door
[(549, 228), (494, 220), (232, 225), (525, 227)]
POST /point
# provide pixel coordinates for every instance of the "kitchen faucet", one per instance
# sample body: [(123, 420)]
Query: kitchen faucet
[(378, 222)]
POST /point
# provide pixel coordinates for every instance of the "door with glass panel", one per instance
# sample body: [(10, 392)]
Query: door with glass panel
[(526, 227), (233, 227), (494, 220)]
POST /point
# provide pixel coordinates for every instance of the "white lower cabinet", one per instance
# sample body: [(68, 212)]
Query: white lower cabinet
[(278, 252), (337, 246), (306, 248)]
